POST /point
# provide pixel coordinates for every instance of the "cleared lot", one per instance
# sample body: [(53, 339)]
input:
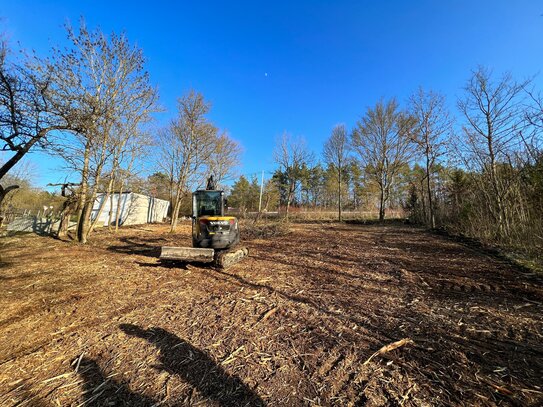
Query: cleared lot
[(297, 323)]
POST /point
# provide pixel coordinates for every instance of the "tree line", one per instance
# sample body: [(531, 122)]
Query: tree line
[(478, 172)]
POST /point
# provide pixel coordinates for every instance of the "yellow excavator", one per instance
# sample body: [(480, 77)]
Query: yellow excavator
[(215, 236)]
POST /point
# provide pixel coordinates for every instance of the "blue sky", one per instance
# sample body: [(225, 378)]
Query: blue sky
[(296, 66)]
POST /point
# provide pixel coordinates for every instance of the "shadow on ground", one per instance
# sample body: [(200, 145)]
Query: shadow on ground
[(149, 248), (99, 390), (177, 357)]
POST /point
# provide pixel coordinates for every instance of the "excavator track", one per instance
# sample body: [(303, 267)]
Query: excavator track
[(226, 258)]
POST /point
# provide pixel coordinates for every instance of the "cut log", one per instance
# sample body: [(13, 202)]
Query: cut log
[(187, 254), (227, 258)]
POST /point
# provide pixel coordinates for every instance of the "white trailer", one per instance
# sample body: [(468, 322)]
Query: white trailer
[(135, 209)]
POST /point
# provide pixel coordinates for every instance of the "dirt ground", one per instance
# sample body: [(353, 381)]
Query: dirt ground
[(298, 323)]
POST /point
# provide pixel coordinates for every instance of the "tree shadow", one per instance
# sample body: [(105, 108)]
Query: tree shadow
[(194, 366), (167, 264), (99, 390), (151, 248)]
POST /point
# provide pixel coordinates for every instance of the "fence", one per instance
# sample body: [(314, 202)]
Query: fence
[(8, 217), (41, 222)]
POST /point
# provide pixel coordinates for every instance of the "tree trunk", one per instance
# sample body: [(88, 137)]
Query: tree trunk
[(339, 195), (87, 229), (425, 215), (289, 199), (65, 215), (118, 213), (175, 213), (84, 226), (430, 199), (63, 223), (84, 190), (382, 205), (83, 223), (110, 214)]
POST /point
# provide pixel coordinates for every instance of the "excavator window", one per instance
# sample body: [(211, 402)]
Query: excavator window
[(208, 203)]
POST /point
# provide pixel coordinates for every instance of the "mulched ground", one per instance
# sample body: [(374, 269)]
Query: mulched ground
[(330, 314)]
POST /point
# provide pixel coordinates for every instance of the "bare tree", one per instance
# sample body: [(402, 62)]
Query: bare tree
[(28, 114), (291, 154), (104, 76), (494, 113), (224, 158), (336, 153), (433, 126), (532, 135), (382, 138), (186, 147)]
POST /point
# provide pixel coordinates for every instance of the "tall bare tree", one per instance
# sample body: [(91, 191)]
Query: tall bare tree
[(494, 113), (105, 77), (382, 138), (291, 154), (186, 146), (433, 127), (336, 153)]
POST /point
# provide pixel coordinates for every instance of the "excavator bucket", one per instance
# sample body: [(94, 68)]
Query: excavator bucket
[(187, 254)]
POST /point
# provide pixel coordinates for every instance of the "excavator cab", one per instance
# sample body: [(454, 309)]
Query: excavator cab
[(207, 203)]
